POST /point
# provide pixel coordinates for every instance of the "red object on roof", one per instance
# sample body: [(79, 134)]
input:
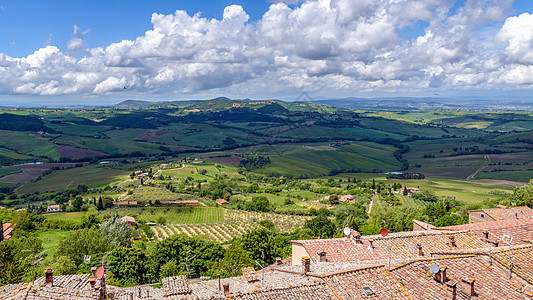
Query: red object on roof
[(100, 273), (384, 232)]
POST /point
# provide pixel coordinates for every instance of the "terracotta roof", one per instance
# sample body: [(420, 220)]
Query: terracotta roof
[(490, 283), (424, 225), (313, 291), (394, 246), (128, 219), (341, 249), (520, 212), (222, 201), (381, 285), (521, 230)]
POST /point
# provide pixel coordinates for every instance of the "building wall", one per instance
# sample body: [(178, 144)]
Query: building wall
[(298, 251), (478, 216)]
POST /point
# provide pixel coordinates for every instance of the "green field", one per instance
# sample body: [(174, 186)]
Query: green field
[(64, 179), (7, 171), (520, 176), (173, 215), (51, 239)]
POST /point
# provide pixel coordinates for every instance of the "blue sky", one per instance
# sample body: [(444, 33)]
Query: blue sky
[(63, 50)]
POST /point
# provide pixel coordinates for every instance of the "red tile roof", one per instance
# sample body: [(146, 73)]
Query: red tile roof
[(222, 201), (520, 212), (521, 230)]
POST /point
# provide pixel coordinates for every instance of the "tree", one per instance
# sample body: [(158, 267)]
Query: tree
[(100, 204), (82, 242), (10, 270), (321, 226), (91, 218), (235, 259), (175, 249), (261, 241), (333, 199), (77, 203), (23, 221), (258, 203), (170, 269), (128, 266), (523, 195), (116, 232), (373, 184)]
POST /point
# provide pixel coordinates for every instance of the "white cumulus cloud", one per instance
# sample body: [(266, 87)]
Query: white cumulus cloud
[(328, 46)]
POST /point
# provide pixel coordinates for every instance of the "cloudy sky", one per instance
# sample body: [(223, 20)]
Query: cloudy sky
[(108, 50)]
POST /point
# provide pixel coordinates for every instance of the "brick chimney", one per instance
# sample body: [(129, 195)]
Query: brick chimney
[(440, 276), (278, 261), (357, 237), (371, 244), (453, 290), (49, 276), (420, 251), (92, 281), (226, 288), (468, 286), (452, 241), (306, 262), (322, 256), (93, 272)]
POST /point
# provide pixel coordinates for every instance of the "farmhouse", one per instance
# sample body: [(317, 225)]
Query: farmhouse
[(182, 202), (125, 203), (222, 202), (129, 220), (346, 198), (53, 209)]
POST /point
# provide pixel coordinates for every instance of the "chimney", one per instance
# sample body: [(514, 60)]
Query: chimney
[(93, 272), (306, 262), (453, 290), (371, 244), (92, 281), (322, 255), (468, 286), (278, 261), (49, 276), (357, 237), (452, 241), (226, 288), (485, 236), (420, 251), (441, 276)]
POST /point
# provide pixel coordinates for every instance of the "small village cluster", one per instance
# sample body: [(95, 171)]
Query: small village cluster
[(489, 258)]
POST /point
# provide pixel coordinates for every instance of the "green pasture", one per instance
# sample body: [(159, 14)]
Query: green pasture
[(172, 214), (519, 176), (7, 171), (51, 239), (64, 179)]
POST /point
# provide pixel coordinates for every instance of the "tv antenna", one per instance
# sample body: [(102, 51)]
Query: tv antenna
[(262, 267), (187, 260), (34, 262), (508, 238)]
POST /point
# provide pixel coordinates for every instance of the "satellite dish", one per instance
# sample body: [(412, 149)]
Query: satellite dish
[(434, 268), (100, 273), (384, 232), (347, 231)]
